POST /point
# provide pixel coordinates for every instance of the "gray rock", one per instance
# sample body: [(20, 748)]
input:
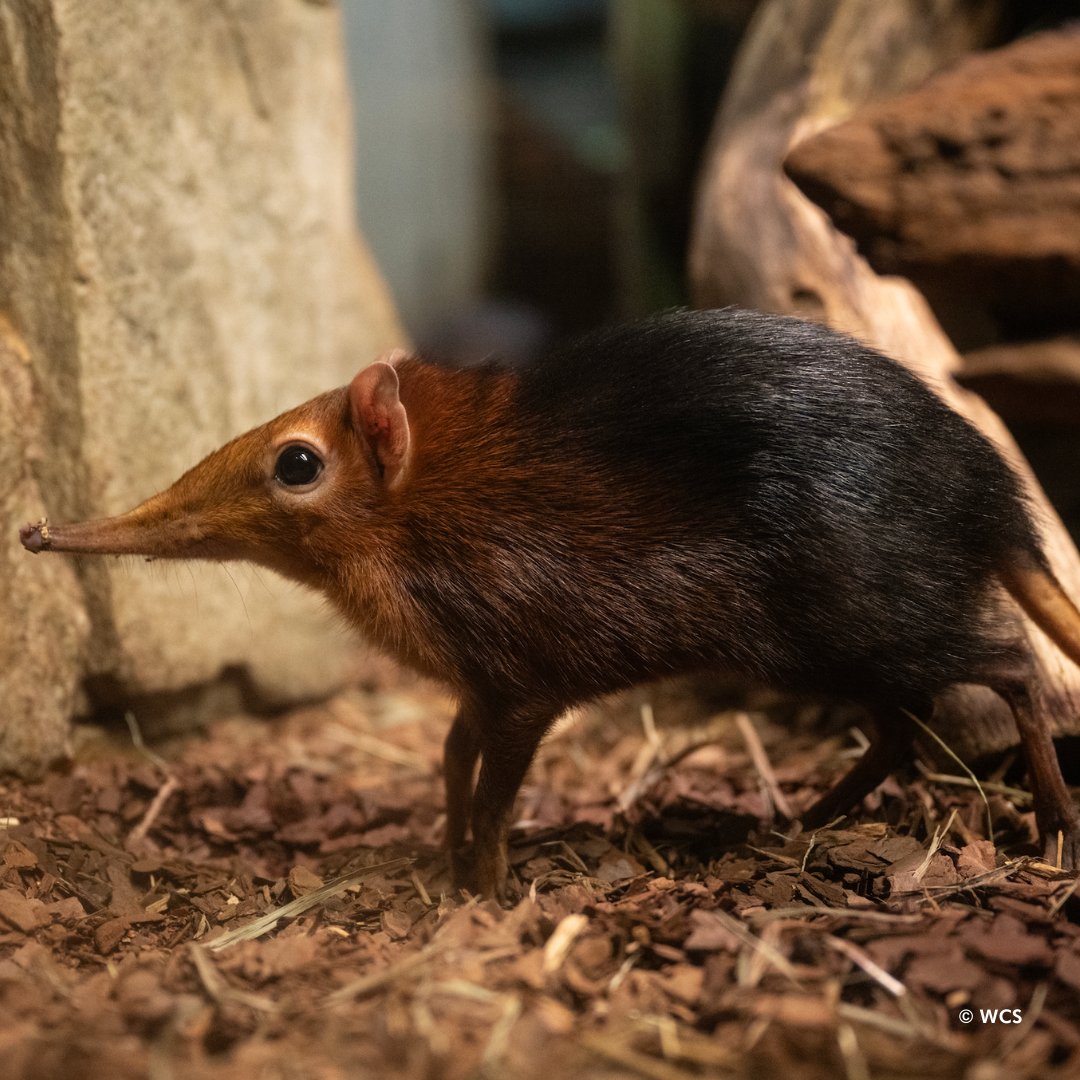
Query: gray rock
[(178, 262)]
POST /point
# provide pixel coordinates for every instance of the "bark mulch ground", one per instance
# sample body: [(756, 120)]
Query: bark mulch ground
[(269, 900)]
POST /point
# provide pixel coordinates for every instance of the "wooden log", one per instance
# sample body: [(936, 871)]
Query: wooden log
[(1029, 381), (758, 241), (1053, 360)]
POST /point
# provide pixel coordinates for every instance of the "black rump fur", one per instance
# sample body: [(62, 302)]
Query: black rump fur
[(853, 518)]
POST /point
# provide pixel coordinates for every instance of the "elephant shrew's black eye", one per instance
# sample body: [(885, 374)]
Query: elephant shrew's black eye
[(297, 466)]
